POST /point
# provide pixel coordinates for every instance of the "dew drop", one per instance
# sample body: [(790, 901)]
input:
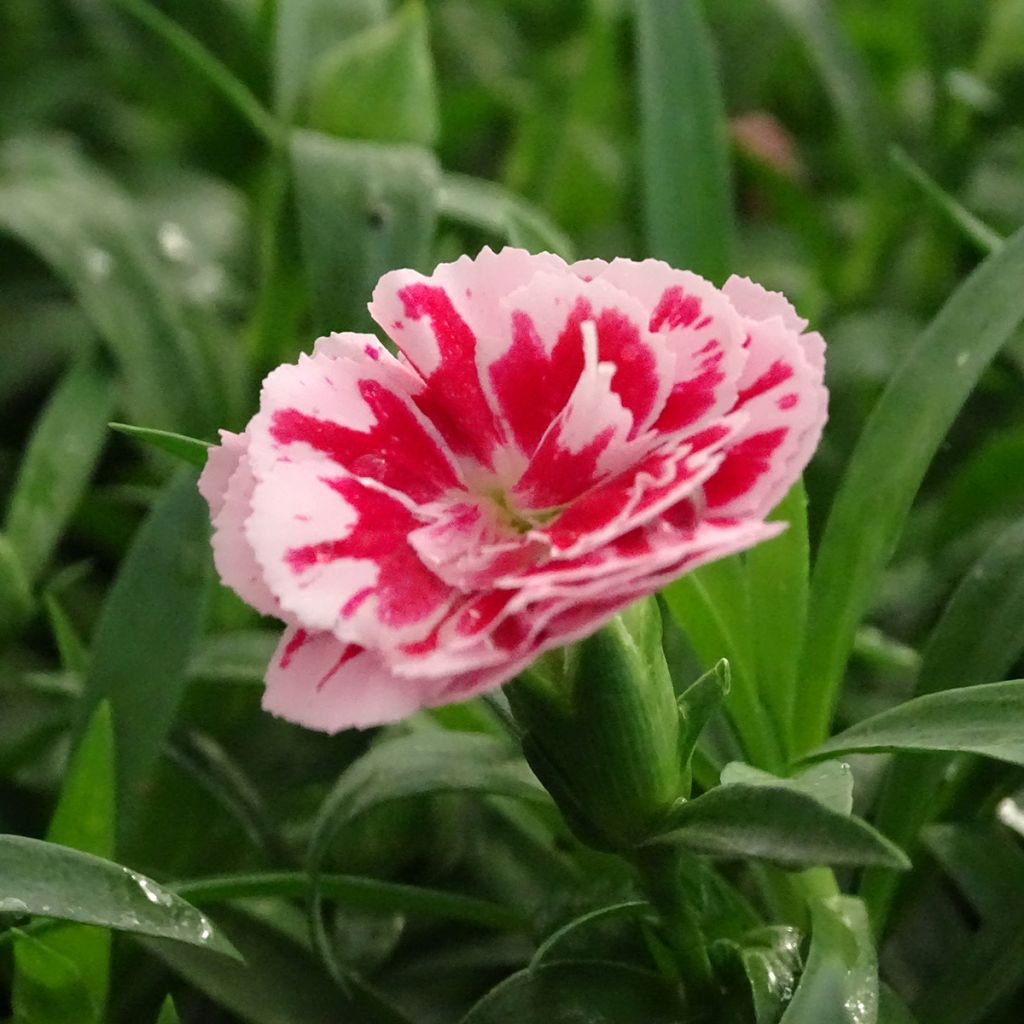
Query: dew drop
[(961, 360), (173, 241), (98, 262)]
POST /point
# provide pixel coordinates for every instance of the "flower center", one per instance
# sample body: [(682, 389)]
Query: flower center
[(518, 520)]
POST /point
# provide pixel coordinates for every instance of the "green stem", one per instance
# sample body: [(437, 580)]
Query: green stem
[(659, 869)]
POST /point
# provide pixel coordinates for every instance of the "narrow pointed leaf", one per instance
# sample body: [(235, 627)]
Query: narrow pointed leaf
[(776, 824), (987, 720), (65, 445), (188, 449), (168, 1014), (698, 703), (48, 987), (687, 183), (899, 441), (55, 881)]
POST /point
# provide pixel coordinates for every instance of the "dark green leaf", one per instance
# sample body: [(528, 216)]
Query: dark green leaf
[(629, 909), (900, 439), (147, 632), (367, 894), (61, 455), (55, 881), (188, 449), (839, 985), (364, 208), (379, 84), (567, 993), (777, 824), (278, 983), (685, 149), (987, 720), (15, 592)]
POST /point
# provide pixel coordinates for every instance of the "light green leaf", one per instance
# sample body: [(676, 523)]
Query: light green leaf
[(64, 448), (379, 84), (566, 993), (48, 987), (55, 881), (168, 1014), (764, 965), (15, 592), (489, 207), (777, 824), (687, 182), (831, 783), (364, 208), (987, 720), (839, 985), (188, 449), (698, 703), (147, 632), (899, 440), (778, 575), (304, 31), (84, 820)]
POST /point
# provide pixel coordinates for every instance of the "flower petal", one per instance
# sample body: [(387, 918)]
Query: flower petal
[(359, 416), (334, 551), (221, 462)]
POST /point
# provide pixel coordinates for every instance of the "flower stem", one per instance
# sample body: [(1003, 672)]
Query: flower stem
[(659, 869)]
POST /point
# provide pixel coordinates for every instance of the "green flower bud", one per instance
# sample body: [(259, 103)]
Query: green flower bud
[(602, 731)]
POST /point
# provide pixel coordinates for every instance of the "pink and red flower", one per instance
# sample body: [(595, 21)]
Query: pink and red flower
[(553, 442)]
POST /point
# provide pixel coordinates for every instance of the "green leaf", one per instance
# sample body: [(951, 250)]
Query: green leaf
[(147, 632), (628, 909), (379, 84), (58, 882), (899, 440), (778, 824), (278, 983), (976, 640), (778, 575), (210, 67), (489, 207), (48, 988), (188, 449), (839, 985), (15, 592), (414, 765), (566, 993), (831, 783), (304, 31), (355, 893), (698, 703), (84, 820), (364, 208), (986, 720), (972, 228), (891, 1009), (168, 1014), (765, 964), (712, 605), (845, 78), (85, 228), (64, 448), (687, 182)]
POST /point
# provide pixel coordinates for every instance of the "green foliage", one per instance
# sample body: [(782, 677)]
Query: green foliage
[(192, 192)]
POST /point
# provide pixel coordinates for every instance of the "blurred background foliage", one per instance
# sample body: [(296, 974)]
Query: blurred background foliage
[(192, 190)]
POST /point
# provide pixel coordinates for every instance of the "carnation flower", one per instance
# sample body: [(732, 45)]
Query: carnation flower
[(553, 442)]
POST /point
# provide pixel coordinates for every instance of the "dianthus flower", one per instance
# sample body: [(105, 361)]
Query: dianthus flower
[(553, 442)]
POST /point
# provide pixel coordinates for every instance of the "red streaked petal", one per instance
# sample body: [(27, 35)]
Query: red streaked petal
[(334, 551)]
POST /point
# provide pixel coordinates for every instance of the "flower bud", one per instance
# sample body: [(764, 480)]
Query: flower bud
[(602, 729)]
